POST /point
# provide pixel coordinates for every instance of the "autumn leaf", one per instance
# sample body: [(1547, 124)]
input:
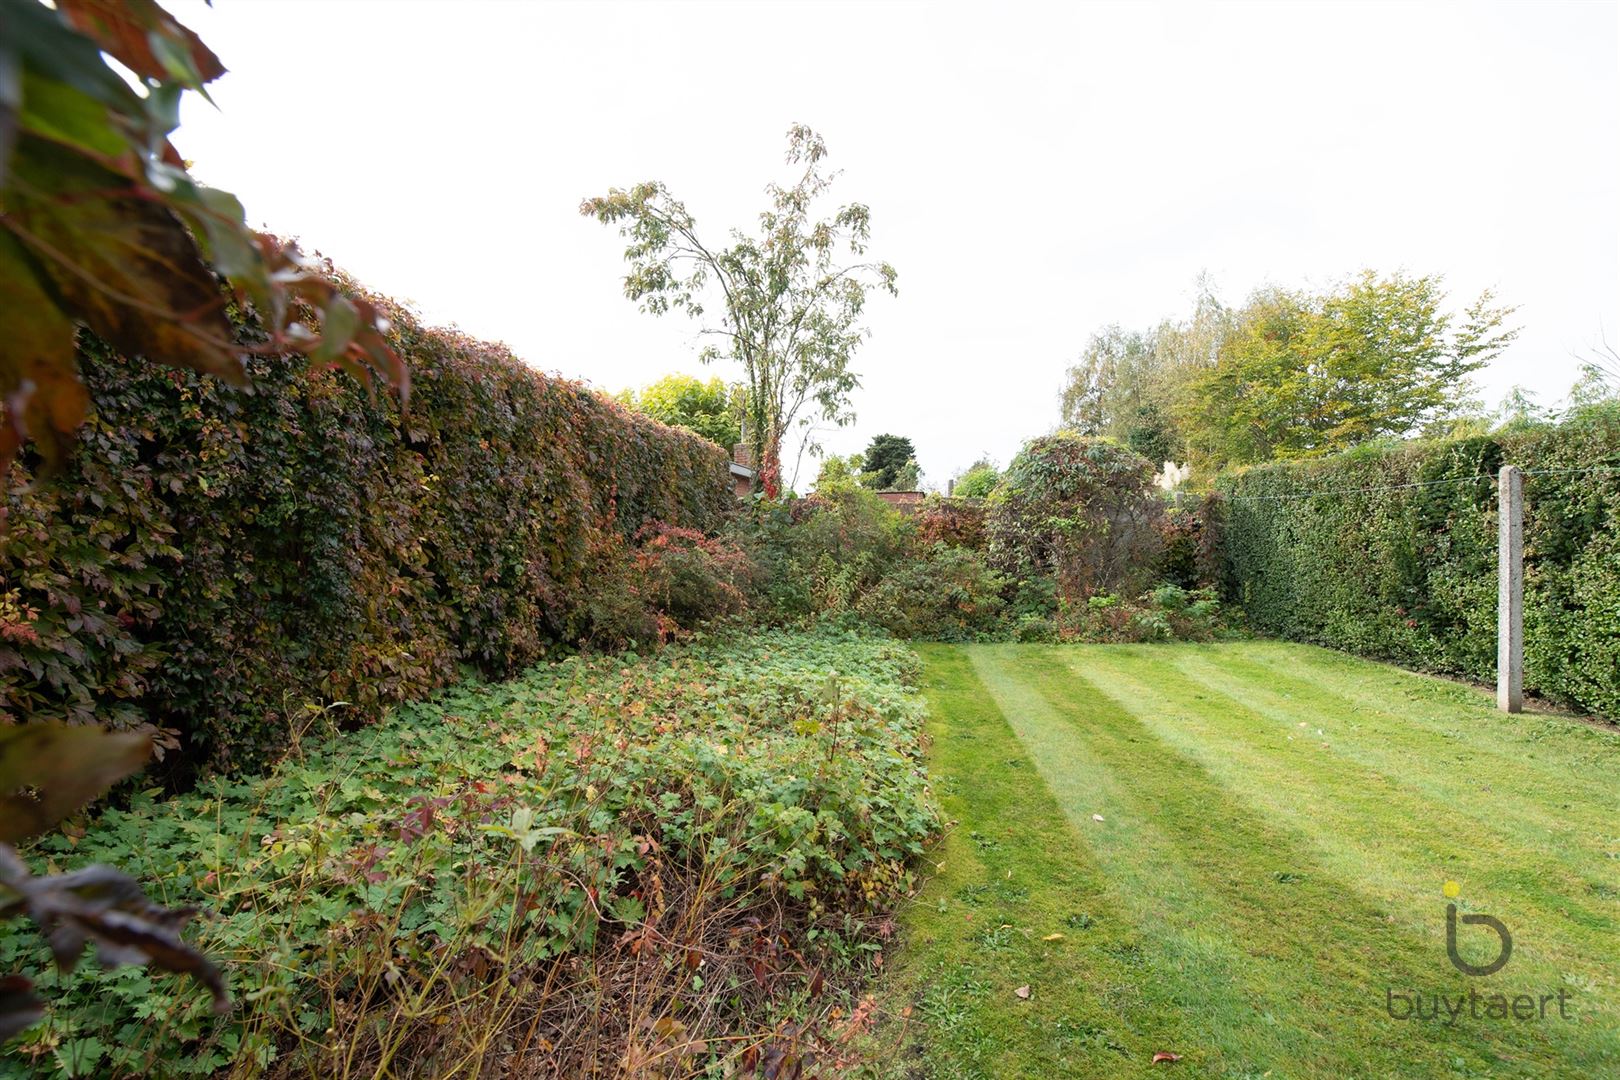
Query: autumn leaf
[(49, 770), (144, 38), (106, 906), (113, 233), (39, 384), (124, 263), (1023, 992), (1165, 1056)]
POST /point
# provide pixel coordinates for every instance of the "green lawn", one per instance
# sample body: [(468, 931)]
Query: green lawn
[(1277, 825)]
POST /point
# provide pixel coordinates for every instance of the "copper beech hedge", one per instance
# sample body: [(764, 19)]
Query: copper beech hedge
[(225, 564)]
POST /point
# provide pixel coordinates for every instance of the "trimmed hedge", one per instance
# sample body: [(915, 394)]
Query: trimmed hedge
[(1410, 575), (223, 562)]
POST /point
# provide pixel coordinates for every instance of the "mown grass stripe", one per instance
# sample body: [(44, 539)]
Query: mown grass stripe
[(1384, 837), (1225, 998), (1315, 950), (1447, 764), (1344, 776), (1010, 872), (1422, 707), (1558, 833)]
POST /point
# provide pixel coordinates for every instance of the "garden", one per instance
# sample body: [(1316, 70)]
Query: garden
[(374, 704)]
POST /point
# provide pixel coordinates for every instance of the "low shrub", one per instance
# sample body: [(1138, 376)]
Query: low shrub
[(1035, 629), (1167, 613), (950, 594), (609, 863), (664, 585), (949, 521)]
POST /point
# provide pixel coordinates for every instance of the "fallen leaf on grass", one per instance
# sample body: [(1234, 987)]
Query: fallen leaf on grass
[(1023, 992), (1096, 817), (1053, 937), (1165, 1055)]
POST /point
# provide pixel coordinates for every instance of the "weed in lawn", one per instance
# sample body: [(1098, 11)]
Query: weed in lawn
[(996, 938)]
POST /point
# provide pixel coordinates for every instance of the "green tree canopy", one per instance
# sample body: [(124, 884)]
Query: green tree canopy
[(839, 473), (886, 458), (1289, 374), (712, 409), (1299, 375), (977, 480), (1127, 382)]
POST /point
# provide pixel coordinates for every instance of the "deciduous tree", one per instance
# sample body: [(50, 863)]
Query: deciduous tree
[(1127, 382), (712, 409), (789, 306), (977, 480), (1301, 375), (1291, 373)]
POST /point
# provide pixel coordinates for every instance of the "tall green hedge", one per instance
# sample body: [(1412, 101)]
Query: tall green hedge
[(214, 560), (1409, 575)]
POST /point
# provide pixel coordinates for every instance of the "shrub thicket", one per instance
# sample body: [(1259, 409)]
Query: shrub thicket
[(1074, 520), (1409, 575), (1080, 510), (956, 522), (947, 594), (665, 585), (215, 559), (1190, 541), (819, 555)]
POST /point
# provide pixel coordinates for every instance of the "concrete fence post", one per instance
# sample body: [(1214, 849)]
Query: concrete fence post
[(1510, 590)]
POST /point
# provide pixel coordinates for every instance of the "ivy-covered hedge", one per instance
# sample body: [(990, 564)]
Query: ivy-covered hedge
[(223, 562), (1410, 575)]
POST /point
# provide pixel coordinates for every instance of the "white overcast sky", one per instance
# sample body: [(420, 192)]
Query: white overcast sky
[(1034, 172)]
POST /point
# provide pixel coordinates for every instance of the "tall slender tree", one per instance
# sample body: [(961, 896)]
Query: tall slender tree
[(789, 307)]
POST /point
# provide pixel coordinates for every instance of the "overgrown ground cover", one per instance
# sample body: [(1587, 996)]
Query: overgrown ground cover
[(1235, 853), (650, 865)]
